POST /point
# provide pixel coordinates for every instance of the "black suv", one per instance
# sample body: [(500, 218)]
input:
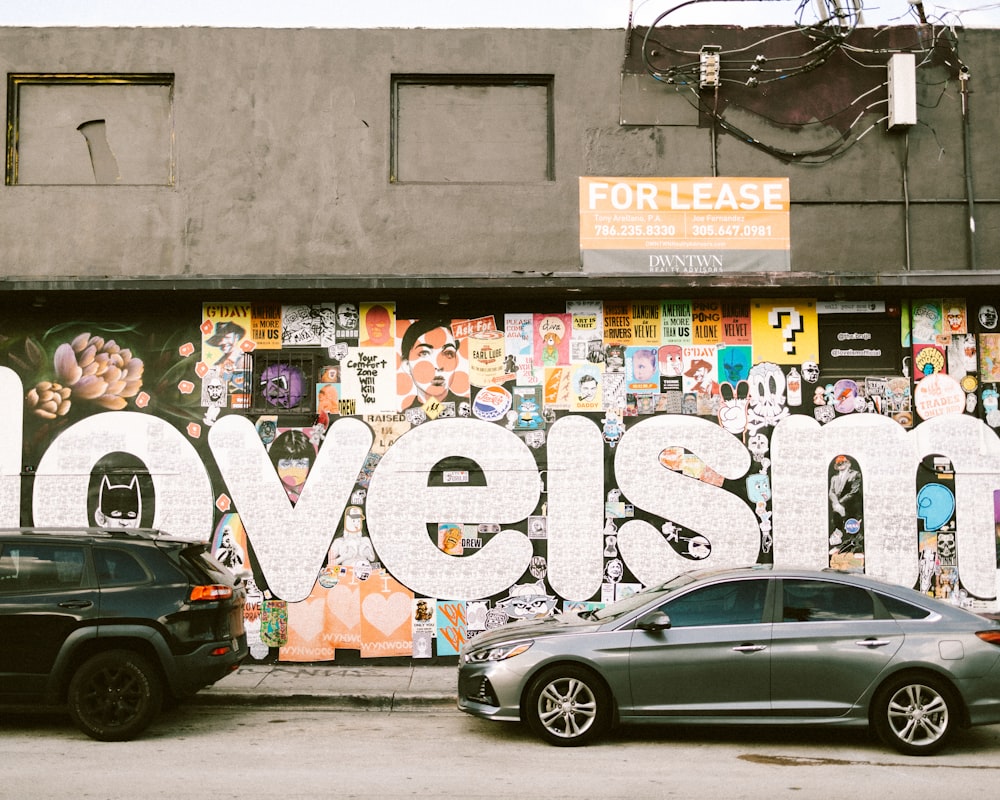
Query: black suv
[(113, 623)]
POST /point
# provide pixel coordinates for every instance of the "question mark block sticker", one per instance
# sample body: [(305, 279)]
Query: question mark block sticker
[(785, 331)]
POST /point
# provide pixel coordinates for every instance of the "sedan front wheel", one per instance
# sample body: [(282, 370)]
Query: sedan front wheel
[(568, 706)]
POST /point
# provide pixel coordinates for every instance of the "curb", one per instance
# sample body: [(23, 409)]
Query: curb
[(343, 702)]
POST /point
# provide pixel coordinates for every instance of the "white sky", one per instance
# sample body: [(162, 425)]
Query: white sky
[(470, 13)]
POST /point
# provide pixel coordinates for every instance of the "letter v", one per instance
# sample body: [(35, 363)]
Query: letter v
[(289, 541)]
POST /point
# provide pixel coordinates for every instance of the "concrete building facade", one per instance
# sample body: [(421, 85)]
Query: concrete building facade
[(343, 302)]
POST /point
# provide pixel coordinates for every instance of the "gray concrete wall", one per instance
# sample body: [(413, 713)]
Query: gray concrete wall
[(282, 142)]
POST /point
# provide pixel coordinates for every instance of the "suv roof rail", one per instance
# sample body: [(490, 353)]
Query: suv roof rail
[(109, 533)]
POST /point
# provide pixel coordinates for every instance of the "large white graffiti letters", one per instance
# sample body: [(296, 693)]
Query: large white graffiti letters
[(401, 504), (575, 507), (801, 454), (181, 484), (290, 542), (888, 457), (11, 434), (724, 518), (974, 451)]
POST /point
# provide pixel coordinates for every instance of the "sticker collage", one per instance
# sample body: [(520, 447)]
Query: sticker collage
[(394, 484)]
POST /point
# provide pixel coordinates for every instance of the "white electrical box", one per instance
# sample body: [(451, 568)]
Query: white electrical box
[(709, 66), (902, 90)]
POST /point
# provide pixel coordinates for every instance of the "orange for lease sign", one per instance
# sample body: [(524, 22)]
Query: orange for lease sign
[(684, 213)]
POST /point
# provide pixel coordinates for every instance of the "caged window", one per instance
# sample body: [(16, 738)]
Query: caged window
[(284, 382)]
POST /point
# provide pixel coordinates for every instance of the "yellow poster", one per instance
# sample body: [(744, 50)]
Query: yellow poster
[(785, 331), (225, 334), (265, 325), (706, 322), (646, 322)]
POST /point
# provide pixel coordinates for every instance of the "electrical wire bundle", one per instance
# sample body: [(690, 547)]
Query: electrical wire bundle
[(787, 54)]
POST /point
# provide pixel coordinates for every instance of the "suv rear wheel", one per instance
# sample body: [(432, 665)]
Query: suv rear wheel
[(114, 696)]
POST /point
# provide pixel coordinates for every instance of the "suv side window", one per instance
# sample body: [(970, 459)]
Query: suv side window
[(822, 601), (118, 568), (30, 567), (729, 603)]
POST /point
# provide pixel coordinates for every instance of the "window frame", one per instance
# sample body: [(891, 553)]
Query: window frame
[(842, 588), (9, 584), (763, 616), (398, 81), (16, 81)]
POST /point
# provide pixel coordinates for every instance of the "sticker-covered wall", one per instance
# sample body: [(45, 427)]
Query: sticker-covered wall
[(392, 486)]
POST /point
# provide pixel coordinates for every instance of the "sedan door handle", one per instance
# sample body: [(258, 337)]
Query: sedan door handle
[(872, 643), (750, 648), (76, 604)]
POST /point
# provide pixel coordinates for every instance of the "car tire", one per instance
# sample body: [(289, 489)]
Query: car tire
[(114, 696), (915, 714), (568, 706)]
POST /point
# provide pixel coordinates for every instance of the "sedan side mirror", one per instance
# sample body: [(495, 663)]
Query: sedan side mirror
[(655, 621)]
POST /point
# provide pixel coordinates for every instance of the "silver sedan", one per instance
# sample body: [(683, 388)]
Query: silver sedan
[(757, 645)]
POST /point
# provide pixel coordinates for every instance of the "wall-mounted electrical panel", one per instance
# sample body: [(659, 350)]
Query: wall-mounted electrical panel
[(902, 90)]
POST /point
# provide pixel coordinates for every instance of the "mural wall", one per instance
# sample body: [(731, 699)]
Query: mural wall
[(392, 486)]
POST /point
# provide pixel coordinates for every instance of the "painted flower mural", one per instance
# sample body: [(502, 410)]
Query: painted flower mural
[(49, 400), (99, 371)]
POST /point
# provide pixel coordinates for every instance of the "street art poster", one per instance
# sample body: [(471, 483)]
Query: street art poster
[(378, 500), (265, 326), (385, 617), (368, 379), (706, 318), (488, 359), (225, 332), (308, 325), (423, 626), (785, 331), (646, 326), (586, 338), (736, 325), (676, 321), (617, 323), (378, 322), (519, 343), (432, 367), (451, 628), (586, 394), (552, 332), (308, 639)]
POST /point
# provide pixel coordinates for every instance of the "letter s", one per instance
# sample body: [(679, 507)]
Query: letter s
[(727, 521)]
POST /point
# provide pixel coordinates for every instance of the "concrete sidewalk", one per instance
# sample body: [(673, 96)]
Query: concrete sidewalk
[(406, 688)]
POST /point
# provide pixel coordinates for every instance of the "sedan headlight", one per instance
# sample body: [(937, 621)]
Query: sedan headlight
[(500, 652)]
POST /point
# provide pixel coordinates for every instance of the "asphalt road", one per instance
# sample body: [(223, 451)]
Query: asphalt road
[(287, 753)]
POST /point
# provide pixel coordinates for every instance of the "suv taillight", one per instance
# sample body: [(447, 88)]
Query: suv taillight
[(215, 591), (991, 637)]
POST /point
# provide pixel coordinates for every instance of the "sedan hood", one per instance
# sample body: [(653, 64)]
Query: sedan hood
[(533, 629)]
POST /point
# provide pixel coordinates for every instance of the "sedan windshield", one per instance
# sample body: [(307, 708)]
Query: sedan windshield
[(641, 598)]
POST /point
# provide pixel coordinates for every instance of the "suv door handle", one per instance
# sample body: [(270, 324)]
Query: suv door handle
[(872, 643), (76, 604), (750, 648)]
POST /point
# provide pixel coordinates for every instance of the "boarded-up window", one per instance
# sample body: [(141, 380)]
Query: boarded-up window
[(472, 129), (90, 129)]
